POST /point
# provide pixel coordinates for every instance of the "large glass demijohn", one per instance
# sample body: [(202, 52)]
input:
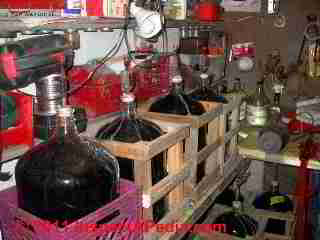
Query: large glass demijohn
[(131, 128), (177, 102), (67, 177)]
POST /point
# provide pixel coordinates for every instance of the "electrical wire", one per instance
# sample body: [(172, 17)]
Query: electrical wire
[(110, 54), (123, 36)]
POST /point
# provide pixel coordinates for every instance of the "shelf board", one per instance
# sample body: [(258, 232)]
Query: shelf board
[(14, 24), (288, 156)]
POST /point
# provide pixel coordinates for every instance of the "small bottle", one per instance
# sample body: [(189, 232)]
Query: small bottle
[(276, 100), (257, 107)]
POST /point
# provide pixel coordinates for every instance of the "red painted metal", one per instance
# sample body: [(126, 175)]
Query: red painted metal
[(304, 191), (22, 133)]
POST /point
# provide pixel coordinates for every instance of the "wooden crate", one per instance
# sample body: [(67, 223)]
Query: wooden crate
[(231, 113), (261, 216), (171, 144), (213, 154)]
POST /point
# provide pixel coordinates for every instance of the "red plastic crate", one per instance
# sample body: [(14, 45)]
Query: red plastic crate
[(22, 133), (99, 96), (17, 224)]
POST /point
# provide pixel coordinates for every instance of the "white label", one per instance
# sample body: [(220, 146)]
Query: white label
[(256, 116)]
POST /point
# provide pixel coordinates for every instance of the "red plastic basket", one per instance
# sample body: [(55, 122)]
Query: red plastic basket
[(22, 133), (98, 97), (110, 222)]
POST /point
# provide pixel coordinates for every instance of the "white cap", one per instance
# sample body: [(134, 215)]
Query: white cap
[(65, 111), (204, 75), (177, 79), (127, 97), (236, 204)]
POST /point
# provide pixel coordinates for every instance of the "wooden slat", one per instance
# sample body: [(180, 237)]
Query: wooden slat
[(164, 142), (191, 147), (175, 164), (137, 151), (162, 188), (207, 182), (214, 110), (212, 161), (143, 178), (207, 151)]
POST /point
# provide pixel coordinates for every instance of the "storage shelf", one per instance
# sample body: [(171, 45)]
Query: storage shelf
[(288, 156), (13, 24)]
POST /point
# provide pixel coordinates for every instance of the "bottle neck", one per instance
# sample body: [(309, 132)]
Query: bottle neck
[(276, 99), (129, 109), (237, 207), (65, 126), (177, 88), (260, 88), (203, 83), (275, 188)]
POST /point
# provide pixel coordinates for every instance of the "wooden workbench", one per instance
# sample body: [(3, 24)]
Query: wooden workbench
[(288, 156)]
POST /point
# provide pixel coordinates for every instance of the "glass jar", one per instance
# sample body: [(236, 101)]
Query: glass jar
[(257, 107), (237, 223), (67, 177), (130, 128)]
